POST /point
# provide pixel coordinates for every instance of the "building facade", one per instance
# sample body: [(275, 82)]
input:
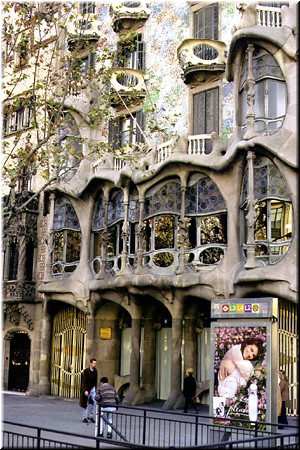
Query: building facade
[(193, 200)]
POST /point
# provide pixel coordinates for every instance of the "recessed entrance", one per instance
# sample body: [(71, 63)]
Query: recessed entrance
[(19, 362)]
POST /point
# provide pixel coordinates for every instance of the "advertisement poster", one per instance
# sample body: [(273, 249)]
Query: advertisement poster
[(240, 378)]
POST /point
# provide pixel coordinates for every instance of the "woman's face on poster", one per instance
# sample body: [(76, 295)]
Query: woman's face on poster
[(250, 352)]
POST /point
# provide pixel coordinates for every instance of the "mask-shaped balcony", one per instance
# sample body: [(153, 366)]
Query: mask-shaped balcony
[(128, 15), (127, 84), (200, 58), (82, 32)]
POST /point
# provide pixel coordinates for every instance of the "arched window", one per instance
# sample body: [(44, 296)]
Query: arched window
[(29, 260), (270, 100), (67, 238), (272, 225), (115, 222), (206, 221), (161, 214)]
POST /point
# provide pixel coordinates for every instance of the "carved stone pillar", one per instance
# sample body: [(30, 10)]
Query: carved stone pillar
[(182, 233), (176, 399), (250, 87), (149, 360), (134, 395), (45, 358), (50, 246), (125, 233), (250, 217), (140, 236), (102, 273), (22, 258)]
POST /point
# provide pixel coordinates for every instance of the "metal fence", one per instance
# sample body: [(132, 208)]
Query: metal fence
[(136, 428)]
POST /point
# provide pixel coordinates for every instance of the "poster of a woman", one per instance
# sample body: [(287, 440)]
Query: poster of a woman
[(240, 362)]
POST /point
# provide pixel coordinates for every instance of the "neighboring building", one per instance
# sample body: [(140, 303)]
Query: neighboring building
[(121, 261)]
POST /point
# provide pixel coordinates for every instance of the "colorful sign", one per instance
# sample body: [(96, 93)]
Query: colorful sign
[(244, 308)]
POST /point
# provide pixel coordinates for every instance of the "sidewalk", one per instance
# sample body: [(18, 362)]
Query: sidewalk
[(65, 414)]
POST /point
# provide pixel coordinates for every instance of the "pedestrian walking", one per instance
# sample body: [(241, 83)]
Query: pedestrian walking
[(87, 392), (284, 389), (108, 398), (189, 390)]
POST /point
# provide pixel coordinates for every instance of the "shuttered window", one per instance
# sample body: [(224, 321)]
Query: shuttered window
[(206, 22), (206, 112), (125, 130), (131, 54)]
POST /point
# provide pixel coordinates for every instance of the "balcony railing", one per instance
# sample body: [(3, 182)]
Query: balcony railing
[(128, 80), (194, 52), (268, 16), (199, 144), (164, 150)]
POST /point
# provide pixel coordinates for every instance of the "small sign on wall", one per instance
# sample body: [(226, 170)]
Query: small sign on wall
[(105, 333)]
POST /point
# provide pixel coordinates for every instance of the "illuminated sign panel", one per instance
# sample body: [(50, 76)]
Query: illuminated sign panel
[(244, 308)]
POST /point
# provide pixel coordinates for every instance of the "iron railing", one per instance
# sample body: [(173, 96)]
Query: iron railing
[(133, 427)]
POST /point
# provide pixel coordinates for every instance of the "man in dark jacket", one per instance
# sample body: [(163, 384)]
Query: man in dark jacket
[(189, 390), (88, 391)]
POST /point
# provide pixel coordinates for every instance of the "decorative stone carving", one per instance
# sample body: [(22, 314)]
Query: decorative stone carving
[(14, 312)]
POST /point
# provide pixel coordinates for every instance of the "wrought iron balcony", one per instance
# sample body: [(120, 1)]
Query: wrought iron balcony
[(200, 57), (127, 15), (82, 31), (127, 84)]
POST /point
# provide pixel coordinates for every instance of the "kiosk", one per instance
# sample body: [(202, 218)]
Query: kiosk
[(244, 345)]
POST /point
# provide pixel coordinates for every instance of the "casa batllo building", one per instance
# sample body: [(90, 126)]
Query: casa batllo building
[(122, 258)]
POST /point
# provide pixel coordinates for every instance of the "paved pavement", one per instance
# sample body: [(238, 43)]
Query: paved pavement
[(63, 414)]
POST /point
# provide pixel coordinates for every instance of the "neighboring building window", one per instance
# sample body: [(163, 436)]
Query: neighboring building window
[(131, 53), (273, 211), (206, 22), (67, 238), (29, 260), (13, 260), (127, 130), (206, 220), (23, 53), (17, 119), (270, 101), (87, 8), (71, 147), (206, 114)]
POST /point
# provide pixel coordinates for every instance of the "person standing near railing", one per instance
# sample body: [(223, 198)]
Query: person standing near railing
[(87, 391), (189, 390), (107, 394), (284, 388)]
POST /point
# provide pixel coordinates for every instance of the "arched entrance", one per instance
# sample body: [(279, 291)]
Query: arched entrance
[(19, 362), (68, 351)]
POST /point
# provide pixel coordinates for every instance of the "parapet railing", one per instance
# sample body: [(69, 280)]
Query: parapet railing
[(136, 427)]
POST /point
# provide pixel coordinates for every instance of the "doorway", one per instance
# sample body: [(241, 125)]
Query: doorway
[(19, 362)]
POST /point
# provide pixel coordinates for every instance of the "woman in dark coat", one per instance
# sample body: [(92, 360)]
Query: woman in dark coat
[(88, 391)]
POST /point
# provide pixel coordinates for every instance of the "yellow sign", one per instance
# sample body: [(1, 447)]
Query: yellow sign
[(105, 333)]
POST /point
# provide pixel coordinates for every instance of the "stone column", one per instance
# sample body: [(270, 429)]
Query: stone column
[(149, 360), (176, 399), (102, 273), (135, 395), (45, 358), (50, 241), (140, 236), (22, 258), (190, 344), (250, 217), (250, 88), (182, 234), (124, 257)]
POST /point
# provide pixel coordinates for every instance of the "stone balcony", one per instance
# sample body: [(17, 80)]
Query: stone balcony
[(199, 58), (82, 31), (127, 83), (128, 15)]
